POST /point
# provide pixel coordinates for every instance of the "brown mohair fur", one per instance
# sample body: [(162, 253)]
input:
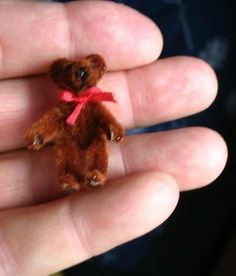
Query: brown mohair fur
[(81, 148)]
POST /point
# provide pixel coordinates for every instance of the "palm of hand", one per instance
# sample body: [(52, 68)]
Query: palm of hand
[(146, 172)]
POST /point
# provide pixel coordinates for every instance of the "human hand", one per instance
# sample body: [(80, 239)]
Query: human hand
[(41, 234)]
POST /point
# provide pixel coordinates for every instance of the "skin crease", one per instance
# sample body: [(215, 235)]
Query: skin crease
[(39, 239)]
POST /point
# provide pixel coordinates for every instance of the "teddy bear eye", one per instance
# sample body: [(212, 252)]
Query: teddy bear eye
[(82, 73)]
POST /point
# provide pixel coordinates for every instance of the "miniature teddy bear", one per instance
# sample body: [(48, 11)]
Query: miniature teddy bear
[(79, 125)]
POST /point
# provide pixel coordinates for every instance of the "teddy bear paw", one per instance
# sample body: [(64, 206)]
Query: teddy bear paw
[(34, 141), (115, 134), (69, 183), (95, 178)]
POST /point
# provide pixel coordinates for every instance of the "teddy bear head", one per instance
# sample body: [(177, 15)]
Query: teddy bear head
[(77, 76)]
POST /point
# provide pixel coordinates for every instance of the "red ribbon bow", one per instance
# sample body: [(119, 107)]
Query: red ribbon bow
[(91, 94)]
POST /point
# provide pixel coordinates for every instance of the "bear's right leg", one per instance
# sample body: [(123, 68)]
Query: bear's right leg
[(69, 182), (68, 161)]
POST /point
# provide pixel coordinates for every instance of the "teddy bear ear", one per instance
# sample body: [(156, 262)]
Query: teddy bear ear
[(57, 69), (96, 61), (57, 66)]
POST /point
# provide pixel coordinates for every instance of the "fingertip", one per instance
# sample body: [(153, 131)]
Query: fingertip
[(144, 32), (168, 186), (162, 193), (203, 159), (203, 81), (207, 76), (214, 155), (124, 36)]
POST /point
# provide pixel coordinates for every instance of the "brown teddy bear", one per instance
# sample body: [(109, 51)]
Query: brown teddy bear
[(79, 125)]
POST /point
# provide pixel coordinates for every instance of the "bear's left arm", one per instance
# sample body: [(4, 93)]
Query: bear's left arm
[(109, 124), (44, 130)]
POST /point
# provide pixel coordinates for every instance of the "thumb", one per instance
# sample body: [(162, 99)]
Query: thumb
[(47, 238)]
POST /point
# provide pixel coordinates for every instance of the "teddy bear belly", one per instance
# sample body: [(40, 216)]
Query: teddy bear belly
[(82, 163)]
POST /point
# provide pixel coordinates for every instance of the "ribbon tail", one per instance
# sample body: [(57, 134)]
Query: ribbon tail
[(72, 118)]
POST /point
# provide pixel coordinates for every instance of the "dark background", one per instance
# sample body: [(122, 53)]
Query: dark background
[(200, 236)]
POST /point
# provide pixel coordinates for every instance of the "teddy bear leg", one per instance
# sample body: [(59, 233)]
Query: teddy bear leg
[(68, 166), (69, 182), (95, 178), (97, 163)]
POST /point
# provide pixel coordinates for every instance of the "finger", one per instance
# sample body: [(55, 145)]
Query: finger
[(124, 37), (59, 234), (168, 89), (165, 90), (194, 157)]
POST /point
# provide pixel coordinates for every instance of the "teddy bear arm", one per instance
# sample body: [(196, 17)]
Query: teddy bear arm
[(110, 125), (44, 130)]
